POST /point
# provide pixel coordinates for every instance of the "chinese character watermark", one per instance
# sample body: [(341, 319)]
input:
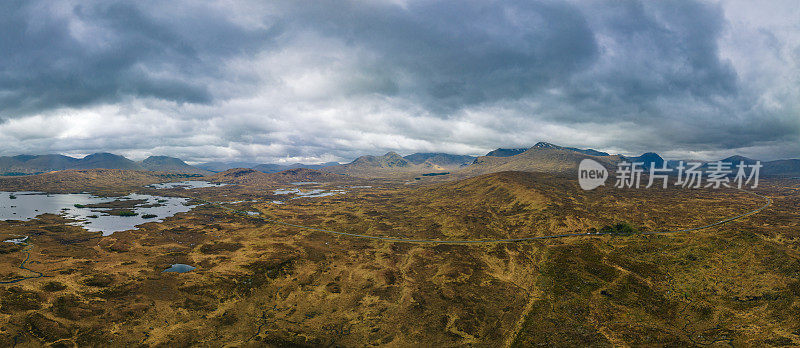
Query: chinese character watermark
[(592, 174)]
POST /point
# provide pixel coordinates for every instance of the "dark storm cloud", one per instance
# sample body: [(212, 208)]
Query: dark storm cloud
[(661, 69), (458, 53), (652, 53), (668, 49), (90, 52)]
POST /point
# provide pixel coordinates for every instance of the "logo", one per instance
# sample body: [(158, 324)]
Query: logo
[(591, 174)]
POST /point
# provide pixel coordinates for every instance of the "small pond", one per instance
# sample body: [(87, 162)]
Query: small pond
[(179, 268)]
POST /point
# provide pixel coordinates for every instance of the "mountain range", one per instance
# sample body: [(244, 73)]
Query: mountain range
[(506, 152), (392, 164), (422, 161), (261, 167), (440, 159), (34, 164), (252, 177), (542, 157), (648, 159)]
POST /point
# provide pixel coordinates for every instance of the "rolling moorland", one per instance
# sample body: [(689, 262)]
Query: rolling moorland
[(284, 277)]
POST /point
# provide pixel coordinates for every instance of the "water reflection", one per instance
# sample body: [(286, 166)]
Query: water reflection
[(17, 240), (179, 268), (189, 184), (308, 193), (82, 207)]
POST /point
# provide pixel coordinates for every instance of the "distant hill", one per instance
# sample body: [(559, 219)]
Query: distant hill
[(738, 159), (33, 164), (648, 159), (544, 145), (505, 191), (236, 173), (74, 181), (261, 167), (443, 160), (46, 162), (240, 176), (172, 165), (252, 177), (785, 167), (274, 168), (542, 158), (506, 152), (788, 167), (106, 160), (590, 152), (305, 175), (390, 165), (389, 160), (223, 166), (268, 168)]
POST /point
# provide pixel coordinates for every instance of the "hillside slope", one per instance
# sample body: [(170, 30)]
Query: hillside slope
[(386, 166), (788, 167), (542, 159), (506, 152), (444, 160), (274, 167), (106, 160), (83, 180), (34, 164), (172, 165), (252, 177)]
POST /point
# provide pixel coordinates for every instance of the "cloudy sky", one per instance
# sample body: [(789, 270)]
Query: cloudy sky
[(315, 81)]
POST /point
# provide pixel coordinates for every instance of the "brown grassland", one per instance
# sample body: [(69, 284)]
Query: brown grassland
[(260, 283)]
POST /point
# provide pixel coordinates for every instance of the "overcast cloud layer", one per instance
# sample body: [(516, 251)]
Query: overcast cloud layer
[(316, 81)]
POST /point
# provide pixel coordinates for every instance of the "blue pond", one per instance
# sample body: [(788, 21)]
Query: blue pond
[(179, 268)]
